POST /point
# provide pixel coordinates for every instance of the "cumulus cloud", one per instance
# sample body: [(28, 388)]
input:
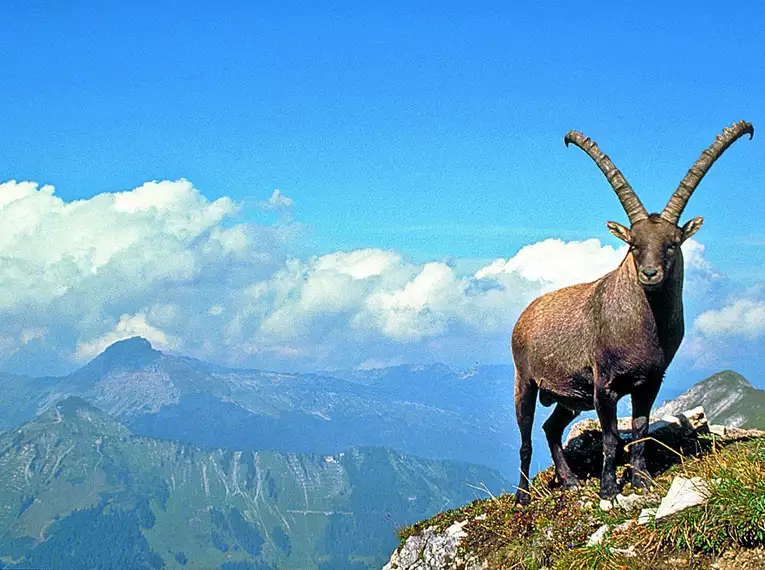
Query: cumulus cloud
[(744, 317), (127, 327), (75, 267), (164, 262), (277, 201), (554, 263)]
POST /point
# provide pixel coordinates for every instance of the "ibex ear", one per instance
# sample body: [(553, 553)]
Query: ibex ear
[(619, 231), (692, 227)]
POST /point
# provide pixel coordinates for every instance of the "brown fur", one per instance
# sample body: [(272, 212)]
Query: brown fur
[(612, 334)]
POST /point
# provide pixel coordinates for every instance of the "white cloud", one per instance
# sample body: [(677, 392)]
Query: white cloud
[(744, 317), (555, 263), (277, 201), (127, 327), (693, 254), (28, 335), (162, 261)]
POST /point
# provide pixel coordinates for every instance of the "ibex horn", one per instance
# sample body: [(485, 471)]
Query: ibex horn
[(628, 198), (679, 199)]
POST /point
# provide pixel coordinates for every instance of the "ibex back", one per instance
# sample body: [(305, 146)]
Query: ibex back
[(586, 346)]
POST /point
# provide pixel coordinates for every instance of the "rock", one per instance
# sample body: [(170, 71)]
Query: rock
[(631, 502), (581, 427), (606, 505), (683, 493), (598, 536), (629, 552), (624, 526), (584, 446), (647, 515), (432, 549), (743, 559), (693, 419)]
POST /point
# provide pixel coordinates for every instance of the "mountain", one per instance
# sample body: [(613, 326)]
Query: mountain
[(428, 411), (79, 490), (727, 397), (704, 510)]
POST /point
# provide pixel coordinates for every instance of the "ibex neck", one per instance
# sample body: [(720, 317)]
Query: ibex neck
[(664, 305), (667, 307)]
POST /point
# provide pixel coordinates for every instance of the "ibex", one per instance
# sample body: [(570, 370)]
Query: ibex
[(588, 345)]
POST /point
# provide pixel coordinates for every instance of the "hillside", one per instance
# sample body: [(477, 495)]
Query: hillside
[(704, 511), (727, 398), (80, 490), (428, 411), (555, 530)]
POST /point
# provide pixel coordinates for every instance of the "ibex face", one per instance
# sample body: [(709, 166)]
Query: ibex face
[(655, 246), (655, 239)]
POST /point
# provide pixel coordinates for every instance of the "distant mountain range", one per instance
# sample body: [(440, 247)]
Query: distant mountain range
[(164, 460), (728, 398), (429, 411), (80, 491)]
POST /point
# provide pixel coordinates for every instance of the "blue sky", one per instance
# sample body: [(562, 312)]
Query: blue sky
[(425, 129)]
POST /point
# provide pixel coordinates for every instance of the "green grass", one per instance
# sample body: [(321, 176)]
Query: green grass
[(75, 465), (552, 532)]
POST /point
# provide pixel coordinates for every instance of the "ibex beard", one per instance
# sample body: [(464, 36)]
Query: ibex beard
[(584, 347)]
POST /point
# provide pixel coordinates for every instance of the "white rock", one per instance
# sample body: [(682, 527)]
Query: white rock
[(624, 526), (694, 418), (606, 505), (647, 515), (431, 549), (598, 536), (717, 430), (630, 502), (629, 552), (683, 493)]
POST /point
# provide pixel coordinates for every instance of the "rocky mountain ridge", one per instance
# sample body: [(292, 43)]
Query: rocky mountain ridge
[(75, 474), (565, 530), (727, 398), (429, 411), (708, 477)]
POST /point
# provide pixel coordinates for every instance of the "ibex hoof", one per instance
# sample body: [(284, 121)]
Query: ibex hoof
[(522, 497), (608, 491), (640, 482), (570, 483)]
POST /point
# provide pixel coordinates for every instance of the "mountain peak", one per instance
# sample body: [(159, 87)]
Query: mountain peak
[(73, 404), (134, 353), (727, 378), (727, 398), (132, 344)]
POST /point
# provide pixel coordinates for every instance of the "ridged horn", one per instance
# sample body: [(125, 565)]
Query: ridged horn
[(628, 198), (679, 199)]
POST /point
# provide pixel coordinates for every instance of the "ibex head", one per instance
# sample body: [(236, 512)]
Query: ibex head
[(655, 239)]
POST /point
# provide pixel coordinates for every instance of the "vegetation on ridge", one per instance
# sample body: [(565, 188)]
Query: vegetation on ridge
[(553, 531), (81, 491)]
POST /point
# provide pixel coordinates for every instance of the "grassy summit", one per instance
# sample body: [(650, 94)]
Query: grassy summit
[(553, 531)]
